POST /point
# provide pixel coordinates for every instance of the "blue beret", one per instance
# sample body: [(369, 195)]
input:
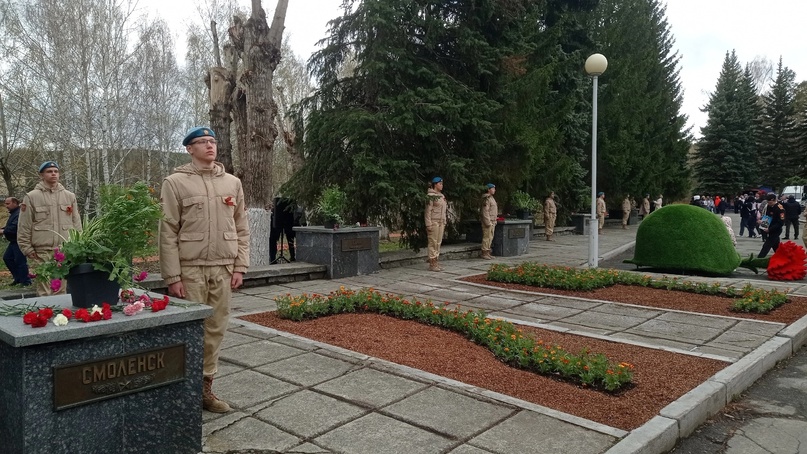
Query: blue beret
[(490, 185), (600, 193), (47, 165), (436, 180), (199, 131)]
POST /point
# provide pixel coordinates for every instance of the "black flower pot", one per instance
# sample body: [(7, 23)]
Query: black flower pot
[(88, 286), (330, 224)]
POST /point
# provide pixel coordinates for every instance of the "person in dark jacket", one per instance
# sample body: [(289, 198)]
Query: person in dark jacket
[(14, 259), (776, 213), (792, 213), (748, 217)]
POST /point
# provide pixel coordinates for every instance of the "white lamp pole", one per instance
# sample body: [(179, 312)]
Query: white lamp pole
[(595, 65)]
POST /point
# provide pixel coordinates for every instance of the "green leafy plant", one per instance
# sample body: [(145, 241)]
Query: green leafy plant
[(748, 299), (504, 339), (125, 228), (523, 201), (332, 203)]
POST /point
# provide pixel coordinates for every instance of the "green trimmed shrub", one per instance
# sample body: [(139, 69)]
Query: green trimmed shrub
[(685, 238)]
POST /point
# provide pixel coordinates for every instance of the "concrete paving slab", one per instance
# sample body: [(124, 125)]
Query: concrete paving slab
[(308, 448), (777, 435), (680, 344), (258, 353), (307, 414), (605, 321), (247, 388), (374, 434), (468, 449), (494, 302), (759, 328), (581, 328), (370, 387), (739, 340), (573, 303), (232, 339), (543, 311), (675, 331), (252, 303), (408, 288), (693, 318), (308, 369), (250, 434), (526, 430), (227, 368), (448, 412), (627, 310), (452, 296)]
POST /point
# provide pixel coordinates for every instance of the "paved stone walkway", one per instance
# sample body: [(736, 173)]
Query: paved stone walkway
[(298, 396)]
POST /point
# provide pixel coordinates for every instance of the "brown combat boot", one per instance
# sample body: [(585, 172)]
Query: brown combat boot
[(437, 265), (486, 255), (433, 265), (210, 402)]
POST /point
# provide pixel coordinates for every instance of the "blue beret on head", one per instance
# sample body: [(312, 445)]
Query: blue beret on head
[(47, 165), (600, 193), (436, 180), (200, 131), (490, 185)]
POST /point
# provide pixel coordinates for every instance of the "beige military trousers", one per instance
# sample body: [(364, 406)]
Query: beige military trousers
[(435, 234), (487, 236), (210, 285)]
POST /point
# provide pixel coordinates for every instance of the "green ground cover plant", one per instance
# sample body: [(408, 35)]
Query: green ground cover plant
[(746, 299), (507, 342)]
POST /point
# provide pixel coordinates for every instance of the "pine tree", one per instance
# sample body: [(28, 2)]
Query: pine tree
[(725, 159)]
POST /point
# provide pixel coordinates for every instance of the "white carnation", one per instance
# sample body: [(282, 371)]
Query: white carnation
[(60, 320)]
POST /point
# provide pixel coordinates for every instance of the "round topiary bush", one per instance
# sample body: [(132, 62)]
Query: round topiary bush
[(685, 238)]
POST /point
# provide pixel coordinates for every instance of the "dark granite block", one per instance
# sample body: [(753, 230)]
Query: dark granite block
[(167, 418), (346, 252), (511, 238)]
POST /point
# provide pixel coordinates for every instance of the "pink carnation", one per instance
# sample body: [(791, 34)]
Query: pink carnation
[(58, 255), (55, 285), (134, 308), (141, 277)]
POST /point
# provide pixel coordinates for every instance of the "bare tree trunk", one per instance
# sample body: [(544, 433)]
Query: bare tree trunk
[(221, 87), (254, 111)]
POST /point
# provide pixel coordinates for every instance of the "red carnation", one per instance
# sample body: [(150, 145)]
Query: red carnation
[(83, 315), (67, 313), (46, 312), (158, 305), (787, 263), (29, 318), (106, 311)]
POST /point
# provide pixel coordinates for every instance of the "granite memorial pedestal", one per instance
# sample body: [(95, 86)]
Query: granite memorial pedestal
[(129, 384), (349, 251), (511, 237)]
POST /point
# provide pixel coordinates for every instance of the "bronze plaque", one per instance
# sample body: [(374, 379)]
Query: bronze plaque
[(91, 381), (516, 233), (357, 244)]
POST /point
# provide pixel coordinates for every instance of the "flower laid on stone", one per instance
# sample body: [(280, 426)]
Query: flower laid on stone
[(134, 308), (39, 318)]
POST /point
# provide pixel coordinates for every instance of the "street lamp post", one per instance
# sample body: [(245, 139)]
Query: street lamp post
[(595, 65)]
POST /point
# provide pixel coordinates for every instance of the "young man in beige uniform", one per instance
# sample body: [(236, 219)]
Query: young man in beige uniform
[(550, 215), (489, 215), (626, 209), (601, 212), (204, 243), (47, 214), (435, 221)]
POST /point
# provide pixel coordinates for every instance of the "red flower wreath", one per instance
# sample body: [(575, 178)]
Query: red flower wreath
[(787, 263)]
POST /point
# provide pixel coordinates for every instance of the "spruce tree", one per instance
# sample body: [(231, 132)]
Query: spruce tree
[(643, 140), (726, 155), (778, 157)]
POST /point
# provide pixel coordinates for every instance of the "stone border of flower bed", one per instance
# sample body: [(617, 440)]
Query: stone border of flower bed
[(502, 338)]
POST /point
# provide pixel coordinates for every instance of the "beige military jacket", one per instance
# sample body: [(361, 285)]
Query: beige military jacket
[(435, 208), (490, 210), (46, 217), (204, 221)]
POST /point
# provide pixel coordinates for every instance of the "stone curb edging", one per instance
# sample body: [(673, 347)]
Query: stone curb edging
[(681, 417)]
